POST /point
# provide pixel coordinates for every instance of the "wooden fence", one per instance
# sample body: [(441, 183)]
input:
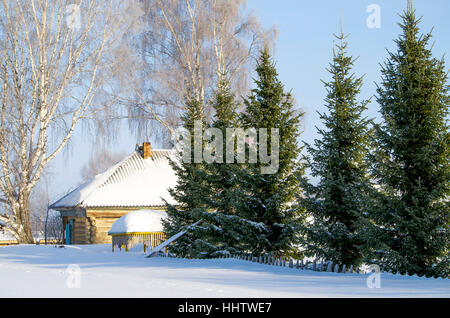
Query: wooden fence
[(128, 240), (37, 242), (314, 265)]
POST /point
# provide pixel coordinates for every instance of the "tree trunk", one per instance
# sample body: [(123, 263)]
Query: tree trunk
[(23, 233)]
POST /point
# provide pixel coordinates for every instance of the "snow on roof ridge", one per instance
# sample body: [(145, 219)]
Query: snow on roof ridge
[(125, 167)]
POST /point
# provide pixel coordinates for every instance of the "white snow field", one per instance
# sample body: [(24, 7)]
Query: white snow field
[(47, 271)]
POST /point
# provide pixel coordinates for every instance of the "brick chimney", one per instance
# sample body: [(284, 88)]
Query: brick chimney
[(146, 150)]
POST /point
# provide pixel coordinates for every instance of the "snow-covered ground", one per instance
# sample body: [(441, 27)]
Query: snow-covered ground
[(46, 271)]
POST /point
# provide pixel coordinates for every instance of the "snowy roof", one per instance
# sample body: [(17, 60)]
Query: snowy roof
[(140, 221), (133, 182)]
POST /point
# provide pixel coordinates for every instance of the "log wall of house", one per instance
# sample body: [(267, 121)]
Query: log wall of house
[(80, 229), (93, 229), (99, 227), (101, 220)]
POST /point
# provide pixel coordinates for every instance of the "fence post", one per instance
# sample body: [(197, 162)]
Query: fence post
[(314, 265), (330, 266), (291, 263), (351, 269), (336, 268), (344, 269)]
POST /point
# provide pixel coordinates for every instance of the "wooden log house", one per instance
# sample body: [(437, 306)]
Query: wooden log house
[(140, 181)]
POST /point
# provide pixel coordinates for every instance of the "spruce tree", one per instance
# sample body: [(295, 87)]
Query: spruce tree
[(266, 207), (191, 191), (338, 162), (411, 162), (221, 233)]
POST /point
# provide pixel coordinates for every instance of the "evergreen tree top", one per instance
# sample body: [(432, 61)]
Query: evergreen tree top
[(344, 87), (225, 106), (268, 104), (194, 110), (413, 82)]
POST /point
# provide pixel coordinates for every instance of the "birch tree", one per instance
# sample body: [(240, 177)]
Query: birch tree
[(99, 161), (55, 60), (186, 47)]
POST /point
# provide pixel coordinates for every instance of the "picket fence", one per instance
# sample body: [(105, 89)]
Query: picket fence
[(314, 265)]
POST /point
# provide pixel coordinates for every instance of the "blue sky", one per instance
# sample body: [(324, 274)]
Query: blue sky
[(303, 51)]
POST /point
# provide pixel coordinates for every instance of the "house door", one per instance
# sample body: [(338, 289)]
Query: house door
[(69, 232)]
